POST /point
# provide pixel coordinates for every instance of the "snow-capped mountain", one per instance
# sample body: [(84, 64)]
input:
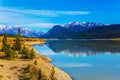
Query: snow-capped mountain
[(85, 24), (84, 30), (24, 32), (81, 26), (70, 29)]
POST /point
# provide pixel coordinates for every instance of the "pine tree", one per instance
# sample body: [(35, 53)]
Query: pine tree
[(32, 54), (24, 53), (9, 53), (19, 32), (17, 41), (4, 43)]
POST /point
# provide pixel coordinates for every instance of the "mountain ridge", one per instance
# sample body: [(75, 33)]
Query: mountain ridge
[(86, 30), (72, 30), (24, 32)]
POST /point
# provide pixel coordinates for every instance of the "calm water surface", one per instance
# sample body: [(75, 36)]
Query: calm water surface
[(84, 59)]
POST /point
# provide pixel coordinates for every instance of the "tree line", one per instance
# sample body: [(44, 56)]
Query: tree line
[(18, 50)]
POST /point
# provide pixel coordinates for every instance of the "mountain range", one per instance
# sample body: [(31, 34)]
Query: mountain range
[(24, 32), (72, 30), (84, 30)]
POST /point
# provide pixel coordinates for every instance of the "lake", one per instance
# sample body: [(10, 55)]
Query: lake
[(84, 59)]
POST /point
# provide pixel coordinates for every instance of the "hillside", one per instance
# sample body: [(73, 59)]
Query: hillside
[(84, 31)]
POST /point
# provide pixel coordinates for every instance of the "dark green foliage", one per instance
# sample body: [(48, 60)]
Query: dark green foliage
[(32, 54), (4, 43), (1, 76), (17, 44), (18, 41), (27, 73), (1, 65), (35, 62), (27, 69), (24, 53), (39, 75), (9, 53), (52, 74)]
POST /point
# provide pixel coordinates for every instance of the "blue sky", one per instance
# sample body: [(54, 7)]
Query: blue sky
[(43, 14)]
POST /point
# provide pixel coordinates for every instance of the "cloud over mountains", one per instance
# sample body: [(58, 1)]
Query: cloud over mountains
[(31, 17)]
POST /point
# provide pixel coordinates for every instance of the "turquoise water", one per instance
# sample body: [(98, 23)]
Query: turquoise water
[(84, 60)]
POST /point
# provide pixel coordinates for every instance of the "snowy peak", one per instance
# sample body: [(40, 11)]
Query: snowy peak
[(82, 24), (25, 32)]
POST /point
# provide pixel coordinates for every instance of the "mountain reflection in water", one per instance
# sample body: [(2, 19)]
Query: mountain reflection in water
[(101, 61), (84, 47)]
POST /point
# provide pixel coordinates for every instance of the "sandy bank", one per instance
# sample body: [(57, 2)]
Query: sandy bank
[(10, 69)]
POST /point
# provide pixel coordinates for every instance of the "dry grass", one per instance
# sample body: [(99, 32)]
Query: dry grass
[(12, 68), (11, 40)]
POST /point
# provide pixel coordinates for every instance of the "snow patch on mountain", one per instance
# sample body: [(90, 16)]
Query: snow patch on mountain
[(24, 32), (81, 26)]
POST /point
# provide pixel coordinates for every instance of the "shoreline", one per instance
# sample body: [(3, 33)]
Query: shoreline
[(11, 69), (61, 74), (38, 55)]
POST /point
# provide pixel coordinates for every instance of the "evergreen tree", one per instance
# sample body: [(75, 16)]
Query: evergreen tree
[(9, 53), (4, 43), (17, 41), (24, 53), (19, 32), (32, 54)]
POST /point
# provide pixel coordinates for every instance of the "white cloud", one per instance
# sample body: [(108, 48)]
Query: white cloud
[(33, 18), (50, 13), (73, 12), (43, 25)]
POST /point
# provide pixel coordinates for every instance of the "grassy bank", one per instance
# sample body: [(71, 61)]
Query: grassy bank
[(29, 69)]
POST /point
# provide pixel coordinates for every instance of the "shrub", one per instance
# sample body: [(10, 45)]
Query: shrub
[(1, 76), (39, 75), (35, 62), (24, 53), (9, 53), (1, 65), (52, 74), (27, 73), (32, 54)]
